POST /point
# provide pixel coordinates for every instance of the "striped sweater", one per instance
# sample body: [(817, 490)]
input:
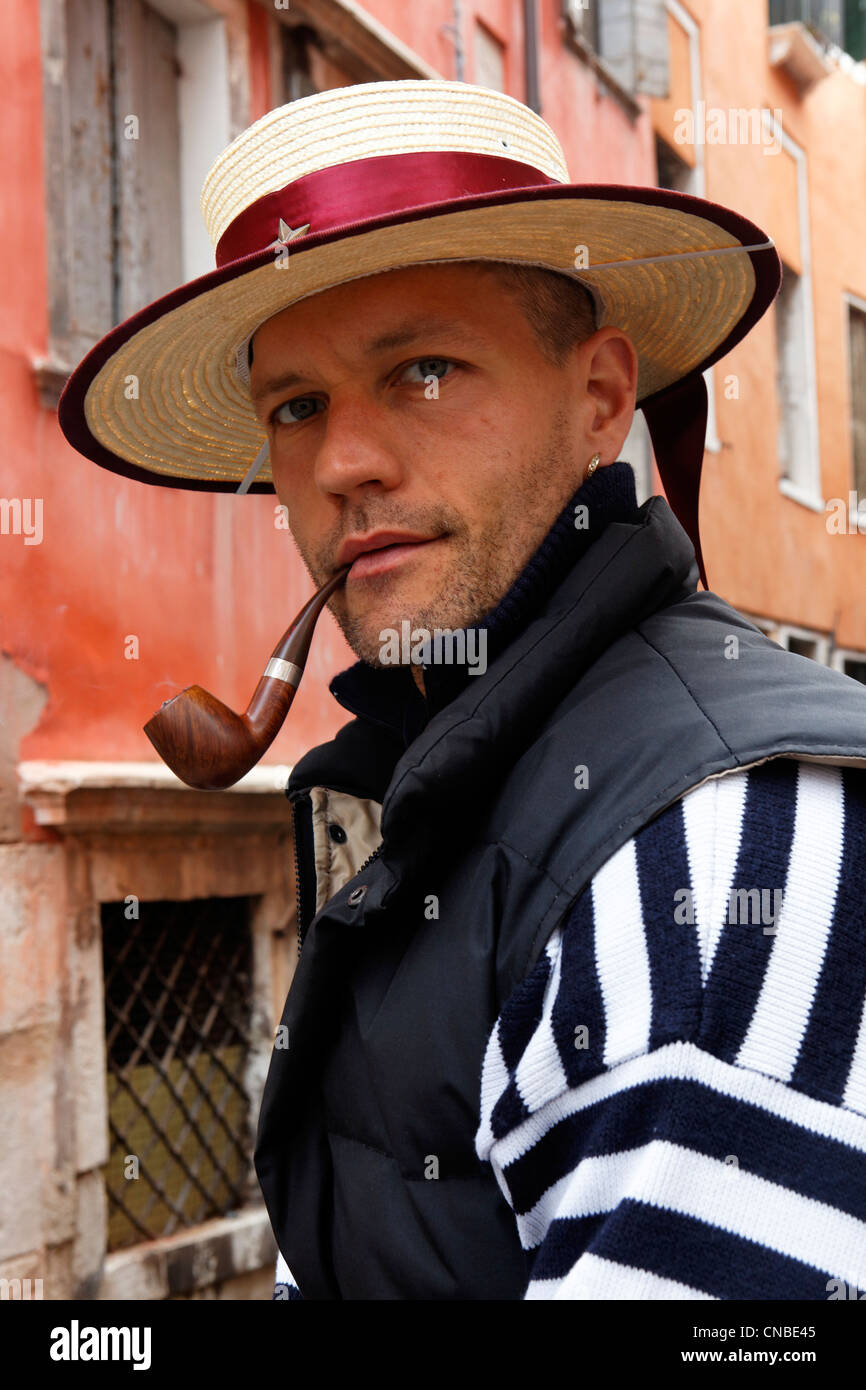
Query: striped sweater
[(673, 1102)]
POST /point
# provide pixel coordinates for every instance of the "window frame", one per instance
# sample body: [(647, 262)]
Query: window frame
[(127, 828), (222, 107), (852, 301), (808, 493)]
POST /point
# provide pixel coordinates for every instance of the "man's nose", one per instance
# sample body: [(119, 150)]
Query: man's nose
[(361, 444)]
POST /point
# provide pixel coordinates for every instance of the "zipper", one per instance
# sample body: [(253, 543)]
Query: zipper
[(300, 825), (375, 855), (297, 885)]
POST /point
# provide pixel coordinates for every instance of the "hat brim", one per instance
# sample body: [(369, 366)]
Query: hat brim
[(158, 399)]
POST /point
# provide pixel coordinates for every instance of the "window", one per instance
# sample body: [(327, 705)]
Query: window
[(802, 642), (680, 177), (797, 462), (798, 443), (297, 46), (178, 985), (320, 44), (857, 387), (311, 64), (177, 994), (489, 56), (629, 37), (855, 29), (582, 15), (673, 172), (768, 626), (136, 107), (825, 15), (850, 663), (803, 646), (842, 22), (120, 241)]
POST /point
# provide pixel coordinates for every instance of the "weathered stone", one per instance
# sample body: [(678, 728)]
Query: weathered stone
[(22, 700), (32, 948), (91, 1223), (27, 1140)]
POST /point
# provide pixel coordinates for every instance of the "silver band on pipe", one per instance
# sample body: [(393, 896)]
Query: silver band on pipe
[(284, 671)]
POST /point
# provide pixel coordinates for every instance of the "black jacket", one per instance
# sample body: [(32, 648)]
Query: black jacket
[(365, 1149)]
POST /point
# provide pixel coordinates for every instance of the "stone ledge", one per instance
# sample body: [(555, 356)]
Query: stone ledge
[(117, 797), (50, 377), (64, 775), (212, 1253)]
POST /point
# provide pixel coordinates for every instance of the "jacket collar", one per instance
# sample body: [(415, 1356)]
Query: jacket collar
[(630, 571), (389, 697), (631, 568)]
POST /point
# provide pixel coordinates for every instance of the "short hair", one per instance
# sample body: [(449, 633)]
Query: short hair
[(558, 308)]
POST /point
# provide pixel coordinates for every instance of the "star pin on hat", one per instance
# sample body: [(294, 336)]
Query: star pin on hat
[(380, 176)]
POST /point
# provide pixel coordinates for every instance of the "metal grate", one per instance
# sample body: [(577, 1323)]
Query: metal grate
[(177, 1016)]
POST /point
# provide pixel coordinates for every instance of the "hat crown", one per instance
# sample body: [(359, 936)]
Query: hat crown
[(366, 121)]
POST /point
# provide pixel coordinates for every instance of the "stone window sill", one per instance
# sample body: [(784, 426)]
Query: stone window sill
[(198, 1258)]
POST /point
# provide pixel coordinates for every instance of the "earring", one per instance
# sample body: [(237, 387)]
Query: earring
[(593, 465)]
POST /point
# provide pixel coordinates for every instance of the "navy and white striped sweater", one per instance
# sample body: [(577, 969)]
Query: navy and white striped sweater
[(674, 1101)]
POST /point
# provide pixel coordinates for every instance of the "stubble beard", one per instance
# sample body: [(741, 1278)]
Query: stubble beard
[(482, 565)]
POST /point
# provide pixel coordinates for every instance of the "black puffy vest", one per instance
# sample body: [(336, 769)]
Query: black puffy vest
[(365, 1150)]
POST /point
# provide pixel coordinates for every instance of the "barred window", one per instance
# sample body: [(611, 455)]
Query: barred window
[(178, 996)]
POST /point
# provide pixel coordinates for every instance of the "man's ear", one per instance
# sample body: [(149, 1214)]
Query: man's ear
[(609, 368)]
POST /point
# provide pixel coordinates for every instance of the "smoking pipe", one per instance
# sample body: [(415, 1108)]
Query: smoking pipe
[(210, 747)]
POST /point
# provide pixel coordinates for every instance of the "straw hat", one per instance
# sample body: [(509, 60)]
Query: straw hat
[(369, 178)]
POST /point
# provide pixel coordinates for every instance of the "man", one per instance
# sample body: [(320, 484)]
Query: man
[(579, 1008)]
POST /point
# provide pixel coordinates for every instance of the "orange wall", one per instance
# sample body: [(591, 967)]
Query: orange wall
[(765, 552)]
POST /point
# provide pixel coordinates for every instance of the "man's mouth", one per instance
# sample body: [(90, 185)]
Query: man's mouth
[(380, 551), (385, 558)]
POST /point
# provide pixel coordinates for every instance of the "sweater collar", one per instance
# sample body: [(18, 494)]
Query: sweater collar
[(388, 696)]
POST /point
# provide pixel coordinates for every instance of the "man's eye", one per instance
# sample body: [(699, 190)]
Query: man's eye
[(301, 408), (427, 366)]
